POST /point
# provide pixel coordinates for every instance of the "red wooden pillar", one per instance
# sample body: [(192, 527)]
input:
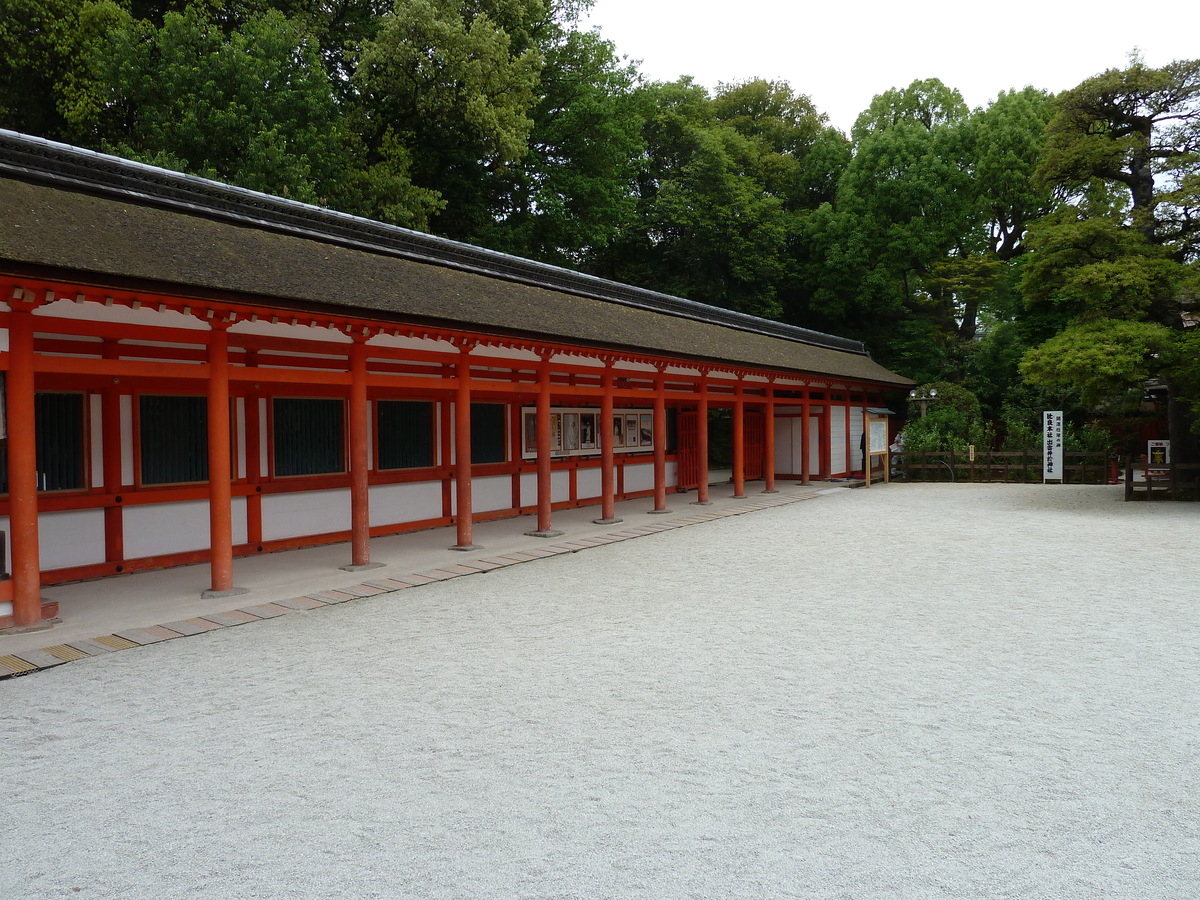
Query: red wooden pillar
[(28, 611), (739, 441), (360, 488), (769, 441), (702, 443), (110, 442), (254, 473), (464, 518), (220, 475), (660, 444), (805, 438), (846, 420), (545, 472), (608, 510)]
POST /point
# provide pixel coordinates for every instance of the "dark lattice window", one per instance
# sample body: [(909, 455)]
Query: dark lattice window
[(309, 436), (488, 433), (173, 439), (405, 434)]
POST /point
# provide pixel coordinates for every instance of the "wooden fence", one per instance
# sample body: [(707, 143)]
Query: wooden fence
[(1003, 466), (1175, 481)]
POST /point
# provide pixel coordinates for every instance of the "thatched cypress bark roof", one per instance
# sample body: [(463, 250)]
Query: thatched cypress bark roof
[(82, 216)]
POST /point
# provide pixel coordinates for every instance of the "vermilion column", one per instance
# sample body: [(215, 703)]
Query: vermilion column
[(462, 452), (702, 443), (608, 510), (846, 420), (110, 430), (545, 472), (220, 475), (360, 497), (660, 444), (769, 442), (805, 437), (739, 442), (22, 472)]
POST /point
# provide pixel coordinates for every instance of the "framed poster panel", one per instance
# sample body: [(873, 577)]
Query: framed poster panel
[(556, 435), (570, 431), (529, 429), (587, 431), (646, 432), (631, 430), (618, 427)]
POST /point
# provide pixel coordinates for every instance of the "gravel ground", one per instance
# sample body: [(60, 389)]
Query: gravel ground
[(914, 691)]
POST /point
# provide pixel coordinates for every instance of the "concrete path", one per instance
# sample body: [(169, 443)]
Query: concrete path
[(918, 691)]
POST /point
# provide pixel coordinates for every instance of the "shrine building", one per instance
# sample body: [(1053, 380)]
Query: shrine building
[(195, 373)]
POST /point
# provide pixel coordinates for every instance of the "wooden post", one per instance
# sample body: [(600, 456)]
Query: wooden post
[(739, 441), (545, 473), (220, 476), (769, 441), (608, 510), (866, 442), (360, 486), (27, 610), (702, 443), (660, 444), (805, 437), (464, 520), (110, 442)]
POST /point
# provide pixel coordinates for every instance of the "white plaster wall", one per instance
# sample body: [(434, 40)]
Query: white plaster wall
[(785, 428), (856, 433), (488, 494), (560, 486), (528, 488), (814, 445), (395, 503), (71, 538), (126, 439), (837, 420), (96, 436), (639, 477), (587, 483), (304, 513), (160, 528)]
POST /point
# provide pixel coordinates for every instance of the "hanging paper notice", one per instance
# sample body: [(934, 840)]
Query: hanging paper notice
[(1052, 455)]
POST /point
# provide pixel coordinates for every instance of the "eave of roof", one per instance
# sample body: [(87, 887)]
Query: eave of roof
[(75, 210)]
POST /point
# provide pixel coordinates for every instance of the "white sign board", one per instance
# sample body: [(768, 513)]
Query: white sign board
[(1052, 452)]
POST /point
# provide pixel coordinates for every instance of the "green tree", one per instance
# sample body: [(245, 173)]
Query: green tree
[(455, 85), (1115, 269), (576, 187)]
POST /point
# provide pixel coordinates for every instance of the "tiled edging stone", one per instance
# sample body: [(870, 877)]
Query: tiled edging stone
[(28, 661)]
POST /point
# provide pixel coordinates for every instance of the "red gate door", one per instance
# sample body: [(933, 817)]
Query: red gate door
[(755, 446), (688, 458)]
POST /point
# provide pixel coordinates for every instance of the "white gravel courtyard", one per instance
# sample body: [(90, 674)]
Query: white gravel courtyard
[(932, 691)]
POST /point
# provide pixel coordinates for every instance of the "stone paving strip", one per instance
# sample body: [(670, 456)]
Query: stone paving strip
[(28, 661)]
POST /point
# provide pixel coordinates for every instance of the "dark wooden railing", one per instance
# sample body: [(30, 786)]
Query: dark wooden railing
[(1174, 481), (1090, 467)]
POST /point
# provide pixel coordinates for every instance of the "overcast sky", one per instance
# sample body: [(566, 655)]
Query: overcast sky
[(843, 54)]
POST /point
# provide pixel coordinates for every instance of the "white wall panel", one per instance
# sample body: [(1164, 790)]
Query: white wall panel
[(587, 484), (837, 419), (71, 538), (305, 513), (127, 440), (784, 460), (529, 488), (560, 486), (639, 477), (96, 437), (488, 494), (162, 528), (395, 503)]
